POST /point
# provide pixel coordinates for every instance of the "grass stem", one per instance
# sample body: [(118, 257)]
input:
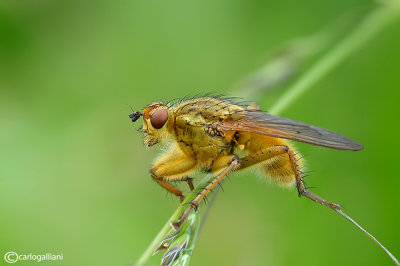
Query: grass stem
[(368, 28)]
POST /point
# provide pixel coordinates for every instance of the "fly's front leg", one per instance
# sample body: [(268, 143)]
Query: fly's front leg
[(174, 167)]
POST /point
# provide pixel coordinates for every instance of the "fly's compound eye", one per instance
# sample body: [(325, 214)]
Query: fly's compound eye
[(159, 118)]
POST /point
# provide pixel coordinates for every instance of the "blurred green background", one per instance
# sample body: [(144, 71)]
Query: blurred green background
[(73, 170)]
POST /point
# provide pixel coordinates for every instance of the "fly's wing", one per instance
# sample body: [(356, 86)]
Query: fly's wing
[(280, 127)]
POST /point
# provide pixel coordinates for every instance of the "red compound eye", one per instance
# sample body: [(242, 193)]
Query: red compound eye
[(159, 118)]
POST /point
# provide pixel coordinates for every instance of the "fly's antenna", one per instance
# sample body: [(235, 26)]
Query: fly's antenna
[(135, 116)]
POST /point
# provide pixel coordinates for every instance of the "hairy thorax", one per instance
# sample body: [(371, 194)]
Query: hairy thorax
[(194, 133)]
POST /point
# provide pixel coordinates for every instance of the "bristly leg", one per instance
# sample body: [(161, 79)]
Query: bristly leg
[(301, 188)]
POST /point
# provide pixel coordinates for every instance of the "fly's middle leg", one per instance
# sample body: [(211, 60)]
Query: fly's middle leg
[(233, 162)]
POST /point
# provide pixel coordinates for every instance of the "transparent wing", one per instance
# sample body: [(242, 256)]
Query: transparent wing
[(280, 127)]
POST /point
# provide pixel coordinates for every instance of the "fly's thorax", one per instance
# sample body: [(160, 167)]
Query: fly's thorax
[(208, 110), (194, 120), (203, 151), (194, 141)]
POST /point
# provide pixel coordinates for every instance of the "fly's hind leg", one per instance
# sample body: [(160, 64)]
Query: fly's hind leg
[(174, 167), (301, 188), (269, 153)]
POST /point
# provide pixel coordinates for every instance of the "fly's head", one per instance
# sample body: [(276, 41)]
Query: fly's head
[(158, 121)]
